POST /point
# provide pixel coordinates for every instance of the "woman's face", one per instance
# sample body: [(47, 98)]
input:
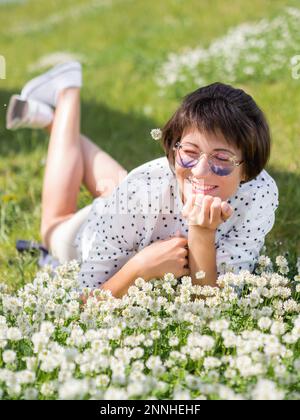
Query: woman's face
[(200, 177)]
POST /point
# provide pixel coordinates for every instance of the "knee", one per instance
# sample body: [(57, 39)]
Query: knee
[(105, 187)]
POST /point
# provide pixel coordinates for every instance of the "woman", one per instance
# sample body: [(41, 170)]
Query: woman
[(206, 206)]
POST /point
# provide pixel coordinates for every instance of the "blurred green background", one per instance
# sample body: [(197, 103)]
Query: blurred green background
[(124, 46)]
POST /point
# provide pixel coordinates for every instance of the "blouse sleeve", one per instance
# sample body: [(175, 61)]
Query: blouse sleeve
[(108, 239), (239, 249)]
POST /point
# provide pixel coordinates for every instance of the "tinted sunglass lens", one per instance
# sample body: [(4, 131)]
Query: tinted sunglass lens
[(220, 170), (187, 163)]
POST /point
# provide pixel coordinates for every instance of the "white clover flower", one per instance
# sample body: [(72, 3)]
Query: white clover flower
[(280, 371), (181, 394), (291, 306), (156, 133), (30, 394), (154, 363), (31, 363), (148, 342), (26, 377), (219, 326), (200, 275), (114, 333), (290, 338), (211, 363), (267, 390), (173, 341), (297, 365), (264, 261), (47, 328), (114, 393), (264, 323), (39, 341), (155, 334), (278, 328), (205, 342), (48, 388), (136, 389), (140, 282), (137, 353), (9, 356), (73, 389), (14, 334), (226, 393), (282, 264)]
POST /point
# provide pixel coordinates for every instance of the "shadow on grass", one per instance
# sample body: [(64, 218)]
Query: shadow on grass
[(126, 136)]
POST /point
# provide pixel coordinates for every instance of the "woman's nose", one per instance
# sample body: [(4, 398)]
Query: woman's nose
[(202, 167)]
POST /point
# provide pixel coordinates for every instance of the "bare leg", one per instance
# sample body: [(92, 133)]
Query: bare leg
[(64, 167), (102, 173), (71, 159)]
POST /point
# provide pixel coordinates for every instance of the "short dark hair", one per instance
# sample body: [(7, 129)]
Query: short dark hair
[(222, 108)]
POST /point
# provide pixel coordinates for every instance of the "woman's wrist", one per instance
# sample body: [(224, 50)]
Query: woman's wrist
[(202, 254), (134, 265), (139, 267), (201, 233), (124, 278)]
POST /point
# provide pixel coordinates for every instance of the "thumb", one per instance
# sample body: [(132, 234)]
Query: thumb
[(178, 233)]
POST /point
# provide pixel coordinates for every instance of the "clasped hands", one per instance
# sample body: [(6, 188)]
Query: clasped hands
[(206, 211)]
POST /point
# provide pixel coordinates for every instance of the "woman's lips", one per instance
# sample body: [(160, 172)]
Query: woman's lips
[(198, 190), (191, 187), (203, 189)]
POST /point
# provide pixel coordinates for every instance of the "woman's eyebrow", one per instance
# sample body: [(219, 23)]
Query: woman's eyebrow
[(216, 149)]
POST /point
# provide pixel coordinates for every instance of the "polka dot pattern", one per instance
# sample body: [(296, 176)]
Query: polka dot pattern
[(147, 206)]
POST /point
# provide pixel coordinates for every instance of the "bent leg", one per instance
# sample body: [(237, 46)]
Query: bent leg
[(64, 166), (72, 159), (102, 173)]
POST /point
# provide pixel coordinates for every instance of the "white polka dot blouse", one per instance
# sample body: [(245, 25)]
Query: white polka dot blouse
[(146, 206)]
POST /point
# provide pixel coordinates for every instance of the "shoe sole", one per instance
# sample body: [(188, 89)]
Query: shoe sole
[(16, 110), (38, 81)]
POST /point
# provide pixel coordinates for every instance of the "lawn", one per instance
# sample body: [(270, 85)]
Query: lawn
[(123, 45)]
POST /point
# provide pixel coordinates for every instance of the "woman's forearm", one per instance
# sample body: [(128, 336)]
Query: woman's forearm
[(202, 254), (123, 279)]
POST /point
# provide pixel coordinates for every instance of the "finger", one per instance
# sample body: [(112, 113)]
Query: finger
[(215, 212), (227, 210), (180, 241), (198, 200), (188, 205), (207, 201)]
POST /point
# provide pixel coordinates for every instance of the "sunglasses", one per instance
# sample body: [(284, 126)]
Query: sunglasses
[(220, 162)]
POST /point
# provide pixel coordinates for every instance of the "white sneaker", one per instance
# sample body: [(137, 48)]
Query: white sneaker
[(27, 114), (46, 87)]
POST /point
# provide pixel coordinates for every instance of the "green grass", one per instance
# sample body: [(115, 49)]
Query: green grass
[(124, 43)]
